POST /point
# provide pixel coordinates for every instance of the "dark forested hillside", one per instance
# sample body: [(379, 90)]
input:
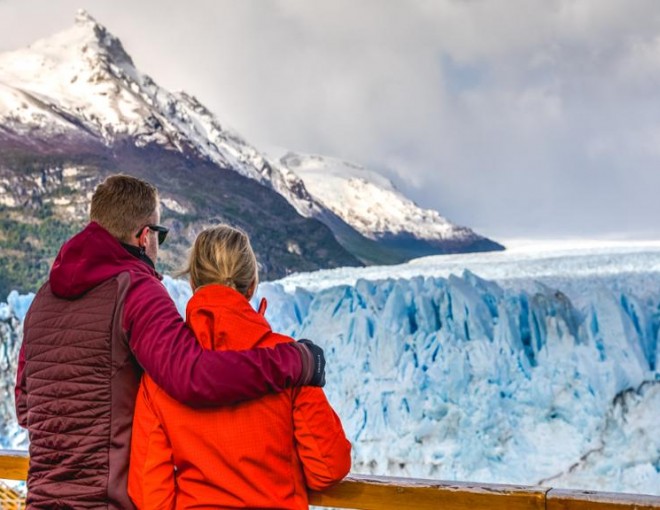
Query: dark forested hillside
[(45, 192)]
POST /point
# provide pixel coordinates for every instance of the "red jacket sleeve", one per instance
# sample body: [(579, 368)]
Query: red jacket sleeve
[(19, 391), (322, 446), (168, 352)]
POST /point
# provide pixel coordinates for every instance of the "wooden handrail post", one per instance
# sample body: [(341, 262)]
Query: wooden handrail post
[(13, 464)]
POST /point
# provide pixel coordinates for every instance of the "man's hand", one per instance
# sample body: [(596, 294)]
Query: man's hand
[(313, 363)]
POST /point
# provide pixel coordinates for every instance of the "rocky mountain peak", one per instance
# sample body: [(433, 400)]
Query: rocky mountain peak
[(84, 18), (110, 45)]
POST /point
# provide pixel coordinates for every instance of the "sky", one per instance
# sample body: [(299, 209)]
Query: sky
[(517, 118)]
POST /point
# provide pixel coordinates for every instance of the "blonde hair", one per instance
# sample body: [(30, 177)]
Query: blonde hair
[(123, 204), (223, 255)]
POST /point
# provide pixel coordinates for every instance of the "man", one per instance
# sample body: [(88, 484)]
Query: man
[(101, 318)]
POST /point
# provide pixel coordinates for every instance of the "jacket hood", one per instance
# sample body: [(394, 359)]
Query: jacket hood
[(89, 258), (236, 325)]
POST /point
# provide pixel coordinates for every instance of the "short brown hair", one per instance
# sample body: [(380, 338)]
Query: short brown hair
[(122, 204), (223, 255)]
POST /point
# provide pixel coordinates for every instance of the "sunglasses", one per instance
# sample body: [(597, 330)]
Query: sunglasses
[(162, 232)]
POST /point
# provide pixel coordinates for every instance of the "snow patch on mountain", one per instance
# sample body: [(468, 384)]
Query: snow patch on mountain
[(367, 201)]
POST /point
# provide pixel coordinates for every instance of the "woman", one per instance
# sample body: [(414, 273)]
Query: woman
[(260, 454)]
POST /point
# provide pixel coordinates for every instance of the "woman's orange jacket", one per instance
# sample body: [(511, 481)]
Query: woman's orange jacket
[(258, 454)]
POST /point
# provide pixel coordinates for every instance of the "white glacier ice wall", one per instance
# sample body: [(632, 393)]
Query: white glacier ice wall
[(460, 379), (466, 379), (12, 314)]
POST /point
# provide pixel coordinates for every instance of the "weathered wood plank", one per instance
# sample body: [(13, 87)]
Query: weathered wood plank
[(13, 465), (366, 493), (566, 499)]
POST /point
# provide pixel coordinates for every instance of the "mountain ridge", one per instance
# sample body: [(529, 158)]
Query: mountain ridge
[(371, 204), (78, 94)]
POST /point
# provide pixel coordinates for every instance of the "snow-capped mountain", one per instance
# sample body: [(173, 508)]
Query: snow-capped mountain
[(372, 205), (82, 80), (74, 108), (81, 85)]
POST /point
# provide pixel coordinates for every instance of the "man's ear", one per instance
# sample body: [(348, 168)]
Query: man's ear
[(146, 240), (143, 238)]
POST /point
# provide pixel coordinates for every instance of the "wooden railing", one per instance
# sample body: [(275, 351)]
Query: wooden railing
[(378, 492)]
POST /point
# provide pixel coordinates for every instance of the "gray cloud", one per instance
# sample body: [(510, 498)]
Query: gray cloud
[(518, 117)]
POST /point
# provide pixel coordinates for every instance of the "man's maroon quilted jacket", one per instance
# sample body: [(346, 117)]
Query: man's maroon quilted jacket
[(102, 318)]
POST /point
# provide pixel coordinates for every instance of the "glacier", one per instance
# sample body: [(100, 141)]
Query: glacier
[(519, 367)]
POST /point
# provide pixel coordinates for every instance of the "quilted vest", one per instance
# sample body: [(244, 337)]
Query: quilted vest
[(81, 385)]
